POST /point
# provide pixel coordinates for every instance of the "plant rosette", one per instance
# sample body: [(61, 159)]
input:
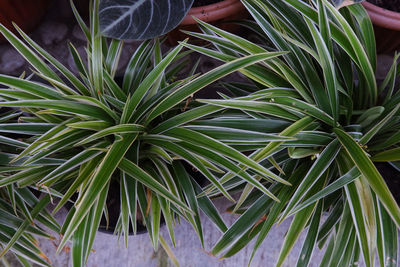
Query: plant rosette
[(23, 216), (386, 26), (108, 223), (87, 132), (324, 94)]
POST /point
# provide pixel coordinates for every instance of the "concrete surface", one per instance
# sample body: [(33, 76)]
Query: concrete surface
[(140, 253)]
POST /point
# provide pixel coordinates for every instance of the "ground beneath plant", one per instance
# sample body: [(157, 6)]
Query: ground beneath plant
[(198, 3), (114, 209), (393, 5), (391, 177)]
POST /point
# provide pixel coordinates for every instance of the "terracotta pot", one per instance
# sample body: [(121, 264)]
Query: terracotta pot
[(386, 27), (25, 13), (217, 14)]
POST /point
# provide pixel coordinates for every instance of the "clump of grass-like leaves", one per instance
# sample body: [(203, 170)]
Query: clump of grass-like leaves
[(324, 90), (23, 216), (96, 131)]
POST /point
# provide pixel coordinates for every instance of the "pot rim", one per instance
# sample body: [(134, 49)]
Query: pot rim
[(383, 17), (213, 12)]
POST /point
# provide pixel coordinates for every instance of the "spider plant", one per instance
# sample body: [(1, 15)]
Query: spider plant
[(134, 134), (21, 211), (324, 90)]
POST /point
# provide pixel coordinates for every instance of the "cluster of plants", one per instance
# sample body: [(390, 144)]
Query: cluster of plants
[(325, 89), (20, 208), (298, 139)]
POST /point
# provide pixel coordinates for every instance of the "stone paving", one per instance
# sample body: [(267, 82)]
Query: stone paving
[(140, 253), (54, 33)]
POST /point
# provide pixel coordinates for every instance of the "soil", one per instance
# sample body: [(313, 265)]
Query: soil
[(198, 3), (113, 203), (393, 5), (391, 176)]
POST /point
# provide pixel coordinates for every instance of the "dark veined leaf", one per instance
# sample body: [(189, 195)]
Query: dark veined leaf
[(141, 19)]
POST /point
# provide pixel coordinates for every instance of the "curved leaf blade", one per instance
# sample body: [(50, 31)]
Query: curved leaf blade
[(369, 171)]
